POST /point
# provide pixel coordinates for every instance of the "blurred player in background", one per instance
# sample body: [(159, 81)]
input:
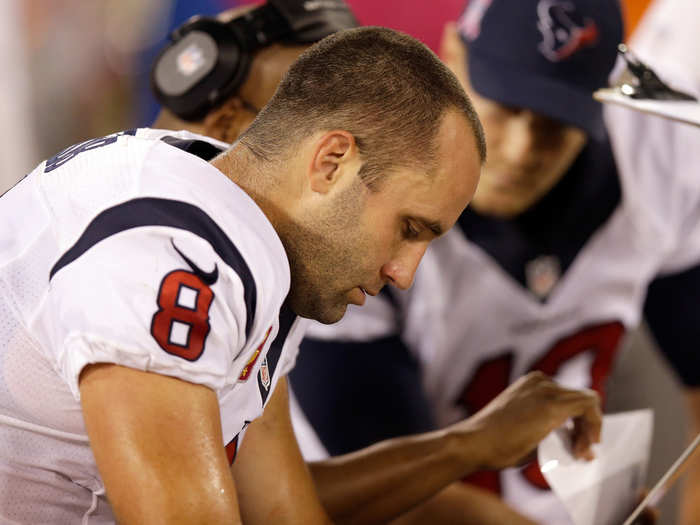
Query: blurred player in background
[(567, 241)]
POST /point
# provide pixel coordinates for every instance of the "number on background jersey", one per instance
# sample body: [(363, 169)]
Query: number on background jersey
[(493, 376), (181, 324), (489, 380), (67, 154)]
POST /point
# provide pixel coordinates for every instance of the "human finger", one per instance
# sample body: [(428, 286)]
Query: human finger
[(581, 441), (584, 407), (650, 515), (587, 424)]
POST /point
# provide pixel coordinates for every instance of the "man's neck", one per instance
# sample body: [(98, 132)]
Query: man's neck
[(168, 120), (253, 177)]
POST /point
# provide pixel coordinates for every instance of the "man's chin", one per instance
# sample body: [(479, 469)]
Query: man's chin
[(332, 314), (503, 205), (324, 315)]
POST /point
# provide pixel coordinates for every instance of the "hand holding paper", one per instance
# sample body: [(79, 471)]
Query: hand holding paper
[(605, 490)]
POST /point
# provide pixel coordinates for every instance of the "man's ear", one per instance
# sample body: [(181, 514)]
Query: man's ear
[(335, 154), (227, 121)]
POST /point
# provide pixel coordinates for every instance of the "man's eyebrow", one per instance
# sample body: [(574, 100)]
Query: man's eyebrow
[(433, 226)]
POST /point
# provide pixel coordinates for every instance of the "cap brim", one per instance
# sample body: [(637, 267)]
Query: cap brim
[(540, 94)]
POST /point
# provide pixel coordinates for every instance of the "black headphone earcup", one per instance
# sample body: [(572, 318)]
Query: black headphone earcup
[(209, 60), (205, 62)]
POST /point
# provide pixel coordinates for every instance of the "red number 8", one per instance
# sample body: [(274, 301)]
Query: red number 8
[(181, 324)]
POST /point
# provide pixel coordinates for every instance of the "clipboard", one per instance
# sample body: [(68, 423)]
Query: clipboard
[(679, 110), (662, 486)]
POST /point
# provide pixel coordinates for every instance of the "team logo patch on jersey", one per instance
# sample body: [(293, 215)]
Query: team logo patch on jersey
[(265, 374), (564, 32), (469, 24), (251, 362), (542, 274)]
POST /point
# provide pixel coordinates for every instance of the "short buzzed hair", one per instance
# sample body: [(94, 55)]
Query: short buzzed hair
[(386, 88)]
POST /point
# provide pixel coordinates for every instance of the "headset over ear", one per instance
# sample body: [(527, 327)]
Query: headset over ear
[(208, 60)]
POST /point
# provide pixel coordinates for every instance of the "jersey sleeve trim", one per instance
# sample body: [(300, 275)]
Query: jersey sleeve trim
[(83, 349), (286, 320), (150, 211)]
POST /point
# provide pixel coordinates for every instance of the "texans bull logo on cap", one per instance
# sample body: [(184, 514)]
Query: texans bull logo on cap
[(563, 35)]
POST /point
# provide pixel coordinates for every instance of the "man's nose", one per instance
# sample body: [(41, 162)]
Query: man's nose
[(401, 269), (518, 144)]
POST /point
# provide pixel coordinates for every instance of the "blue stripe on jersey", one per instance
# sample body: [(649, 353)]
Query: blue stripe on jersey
[(203, 150), (67, 154), (170, 213), (287, 318), (358, 393)]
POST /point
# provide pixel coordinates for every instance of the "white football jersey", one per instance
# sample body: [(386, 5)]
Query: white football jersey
[(474, 328), (128, 250)]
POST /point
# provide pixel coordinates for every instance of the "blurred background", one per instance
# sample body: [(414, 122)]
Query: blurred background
[(81, 69)]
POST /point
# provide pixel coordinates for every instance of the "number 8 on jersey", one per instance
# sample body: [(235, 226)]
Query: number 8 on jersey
[(181, 324)]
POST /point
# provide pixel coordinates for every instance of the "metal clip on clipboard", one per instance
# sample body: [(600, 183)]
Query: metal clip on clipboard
[(639, 81), (638, 87)]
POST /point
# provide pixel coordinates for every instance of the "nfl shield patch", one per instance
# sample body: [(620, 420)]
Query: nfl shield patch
[(542, 274)]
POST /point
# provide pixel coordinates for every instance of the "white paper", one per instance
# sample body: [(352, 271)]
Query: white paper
[(605, 490), (686, 111)]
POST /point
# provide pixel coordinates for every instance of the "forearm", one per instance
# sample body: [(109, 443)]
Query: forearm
[(158, 447), (383, 481), (462, 504), (272, 480), (379, 483)]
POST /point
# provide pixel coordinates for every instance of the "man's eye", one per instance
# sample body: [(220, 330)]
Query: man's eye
[(410, 232)]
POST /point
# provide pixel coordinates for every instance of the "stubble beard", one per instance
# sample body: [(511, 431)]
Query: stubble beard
[(324, 255)]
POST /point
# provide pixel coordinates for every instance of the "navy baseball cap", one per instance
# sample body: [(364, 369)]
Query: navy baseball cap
[(548, 56)]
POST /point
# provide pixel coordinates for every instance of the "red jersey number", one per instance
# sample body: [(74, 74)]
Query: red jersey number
[(493, 376), (181, 324)]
